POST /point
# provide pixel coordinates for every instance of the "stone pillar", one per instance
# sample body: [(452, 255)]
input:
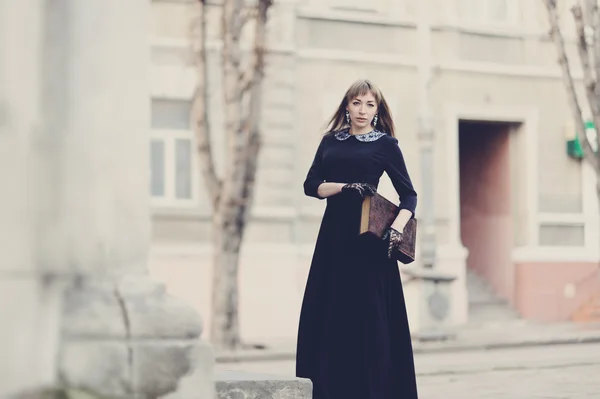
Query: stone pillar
[(76, 139), (430, 315), (23, 359)]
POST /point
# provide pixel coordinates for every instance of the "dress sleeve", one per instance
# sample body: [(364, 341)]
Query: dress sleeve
[(396, 169), (314, 178)]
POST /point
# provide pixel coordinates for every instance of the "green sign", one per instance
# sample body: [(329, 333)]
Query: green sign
[(574, 146)]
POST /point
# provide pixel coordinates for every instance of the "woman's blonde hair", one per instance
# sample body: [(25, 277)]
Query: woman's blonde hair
[(361, 87)]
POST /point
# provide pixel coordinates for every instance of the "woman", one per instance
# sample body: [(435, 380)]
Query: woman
[(353, 336)]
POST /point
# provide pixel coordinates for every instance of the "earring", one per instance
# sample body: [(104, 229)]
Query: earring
[(347, 117), (375, 120)]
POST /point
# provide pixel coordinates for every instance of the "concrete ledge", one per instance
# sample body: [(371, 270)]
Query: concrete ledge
[(242, 385)]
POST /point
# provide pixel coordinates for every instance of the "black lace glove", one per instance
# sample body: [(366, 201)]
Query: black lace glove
[(395, 238), (362, 189)]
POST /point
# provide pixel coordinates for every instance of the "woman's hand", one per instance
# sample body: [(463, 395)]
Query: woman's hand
[(362, 189), (395, 239)]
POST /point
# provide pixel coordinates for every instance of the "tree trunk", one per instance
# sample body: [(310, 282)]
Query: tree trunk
[(225, 322), (589, 55), (241, 90), (225, 325), (231, 195)]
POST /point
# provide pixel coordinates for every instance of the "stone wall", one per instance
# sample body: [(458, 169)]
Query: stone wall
[(81, 308)]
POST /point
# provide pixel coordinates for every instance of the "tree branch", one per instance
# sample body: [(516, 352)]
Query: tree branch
[(590, 81), (200, 114), (246, 80), (582, 47), (234, 112), (257, 64), (253, 83), (594, 21), (557, 37)]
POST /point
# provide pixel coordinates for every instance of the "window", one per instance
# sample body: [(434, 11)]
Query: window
[(489, 12), (173, 168)]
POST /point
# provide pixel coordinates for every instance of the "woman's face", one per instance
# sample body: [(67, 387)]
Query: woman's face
[(362, 109)]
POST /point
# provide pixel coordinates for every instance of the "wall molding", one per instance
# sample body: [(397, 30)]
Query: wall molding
[(257, 213), (398, 60), (555, 255), (398, 19), (409, 61), (205, 249), (561, 219)]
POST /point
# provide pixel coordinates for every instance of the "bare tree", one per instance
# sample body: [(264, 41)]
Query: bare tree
[(587, 25), (231, 195)]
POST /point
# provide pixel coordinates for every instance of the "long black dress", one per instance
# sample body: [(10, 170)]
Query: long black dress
[(353, 337)]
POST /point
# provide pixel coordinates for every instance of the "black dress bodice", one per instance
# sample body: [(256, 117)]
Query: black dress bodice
[(344, 158)]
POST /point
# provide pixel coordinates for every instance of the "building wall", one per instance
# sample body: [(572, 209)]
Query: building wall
[(486, 68)]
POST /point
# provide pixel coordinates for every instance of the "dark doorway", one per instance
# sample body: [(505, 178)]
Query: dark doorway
[(485, 205)]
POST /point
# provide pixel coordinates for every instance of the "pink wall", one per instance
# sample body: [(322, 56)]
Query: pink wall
[(540, 290), (485, 199)]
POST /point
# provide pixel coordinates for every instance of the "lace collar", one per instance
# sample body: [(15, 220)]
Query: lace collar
[(365, 137)]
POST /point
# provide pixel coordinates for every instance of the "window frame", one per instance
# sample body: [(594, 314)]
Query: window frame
[(169, 199)]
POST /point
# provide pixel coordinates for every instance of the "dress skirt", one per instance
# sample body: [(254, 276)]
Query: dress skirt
[(353, 338)]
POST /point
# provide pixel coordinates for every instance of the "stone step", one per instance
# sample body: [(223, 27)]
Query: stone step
[(479, 290), (484, 305), (493, 312), (241, 385)]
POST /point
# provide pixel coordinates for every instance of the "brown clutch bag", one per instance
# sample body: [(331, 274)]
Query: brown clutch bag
[(377, 215)]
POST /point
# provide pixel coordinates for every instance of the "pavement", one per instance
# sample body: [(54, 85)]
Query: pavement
[(577, 382), (561, 371), (468, 362), (488, 336)]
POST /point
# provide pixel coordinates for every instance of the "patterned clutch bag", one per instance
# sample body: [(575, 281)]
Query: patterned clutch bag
[(377, 215)]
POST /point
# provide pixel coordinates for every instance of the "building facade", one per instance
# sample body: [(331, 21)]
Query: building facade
[(510, 204)]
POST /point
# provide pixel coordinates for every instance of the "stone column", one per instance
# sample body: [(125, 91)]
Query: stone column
[(77, 136), (432, 285), (21, 306)]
